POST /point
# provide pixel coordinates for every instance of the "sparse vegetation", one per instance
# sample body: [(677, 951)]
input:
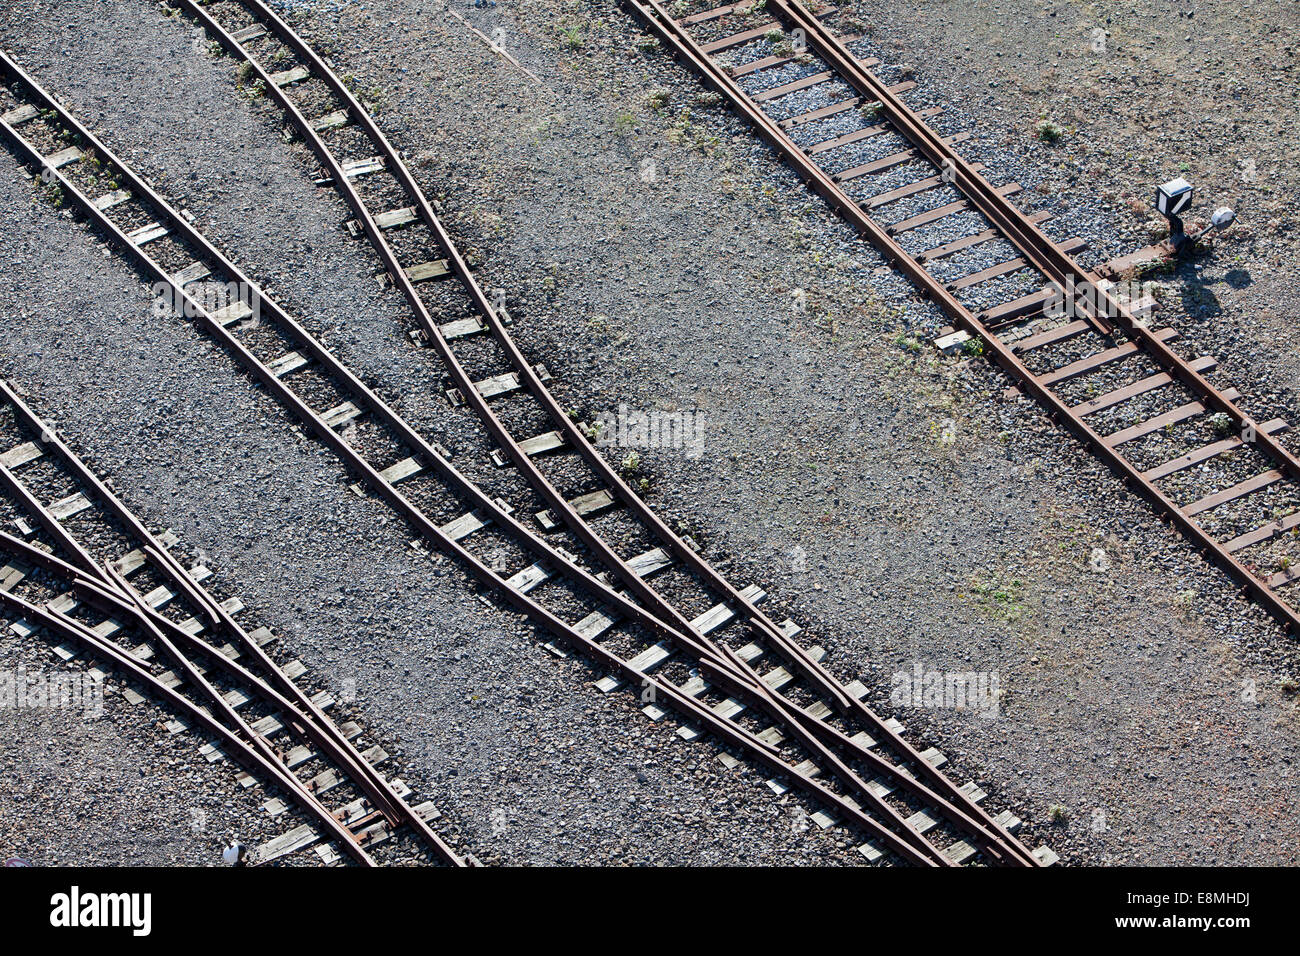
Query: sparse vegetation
[(685, 133), (1057, 814), (52, 193), (1048, 132), (909, 343), (999, 599), (572, 37), (658, 99)]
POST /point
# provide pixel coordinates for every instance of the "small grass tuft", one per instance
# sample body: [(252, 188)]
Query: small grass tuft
[(909, 343), (572, 37), (1048, 132)]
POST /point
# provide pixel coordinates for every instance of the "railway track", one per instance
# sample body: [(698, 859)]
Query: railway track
[(709, 655), (88, 574), (1066, 336)]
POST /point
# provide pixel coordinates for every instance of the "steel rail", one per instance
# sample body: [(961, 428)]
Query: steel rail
[(573, 435), (115, 598), (684, 703), (318, 352), (326, 733), (108, 578), (547, 491), (1056, 264), (528, 376), (246, 746), (1039, 250), (794, 654), (780, 711), (677, 39), (1031, 241), (822, 731)]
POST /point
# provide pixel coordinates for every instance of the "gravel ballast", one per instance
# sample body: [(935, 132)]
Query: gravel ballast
[(528, 763), (936, 523), (660, 257)]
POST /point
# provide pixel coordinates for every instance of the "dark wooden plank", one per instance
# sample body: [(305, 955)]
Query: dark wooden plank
[(1008, 312), (1070, 246), (745, 36), (1085, 365), (716, 12), (1263, 533), (1051, 336), (1239, 490), (793, 86), (1157, 422), (861, 134), (737, 39), (902, 192), (771, 61), (822, 113), (1203, 364), (942, 212), (1284, 577), (888, 162), (948, 248), (835, 108), (1205, 453)]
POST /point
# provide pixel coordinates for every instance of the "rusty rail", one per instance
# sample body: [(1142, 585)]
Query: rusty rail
[(1040, 251), (729, 674), (239, 740), (954, 805), (112, 594)]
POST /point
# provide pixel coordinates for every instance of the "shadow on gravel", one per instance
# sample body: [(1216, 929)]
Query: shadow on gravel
[(1196, 292)]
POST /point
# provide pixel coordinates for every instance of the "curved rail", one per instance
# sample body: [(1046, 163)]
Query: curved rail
[(105, 586), (726, 669), (956, 805)]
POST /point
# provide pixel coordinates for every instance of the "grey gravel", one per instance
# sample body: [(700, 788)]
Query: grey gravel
[(1125, 688), (527, 761)]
